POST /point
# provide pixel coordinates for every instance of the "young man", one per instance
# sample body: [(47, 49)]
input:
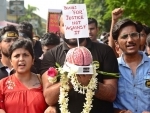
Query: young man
[(8, 35), (148, 45), (48, 41), (93, 30), (134, 66), (107, 85)]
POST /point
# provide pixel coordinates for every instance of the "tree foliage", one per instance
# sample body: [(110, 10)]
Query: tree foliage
[(30, 16), (95, 9), (137, 10)]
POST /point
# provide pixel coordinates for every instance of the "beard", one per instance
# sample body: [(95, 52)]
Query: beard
[(5, 53), (73, 41)]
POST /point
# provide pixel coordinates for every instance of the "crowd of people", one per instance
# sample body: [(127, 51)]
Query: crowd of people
[(82, 87)]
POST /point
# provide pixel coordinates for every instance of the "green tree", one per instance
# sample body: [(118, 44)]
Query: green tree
[(33, 18), (136, 10), (95, 9)]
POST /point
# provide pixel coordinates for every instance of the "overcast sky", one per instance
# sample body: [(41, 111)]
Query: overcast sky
[(44, 5)]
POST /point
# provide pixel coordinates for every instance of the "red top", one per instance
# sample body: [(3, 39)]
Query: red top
[(16, 98)]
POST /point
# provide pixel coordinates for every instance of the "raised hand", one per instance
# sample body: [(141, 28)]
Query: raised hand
[(117, 13)]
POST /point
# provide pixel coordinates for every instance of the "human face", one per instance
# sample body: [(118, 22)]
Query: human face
[(73, 41), (46, 48), (128, 40), (93, 31), (21, 60), (5, 45), (143, 38)]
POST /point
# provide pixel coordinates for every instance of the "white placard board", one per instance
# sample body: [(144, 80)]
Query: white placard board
[(75, 21)]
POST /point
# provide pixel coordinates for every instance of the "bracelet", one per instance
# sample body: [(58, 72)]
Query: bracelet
[(122, 111)]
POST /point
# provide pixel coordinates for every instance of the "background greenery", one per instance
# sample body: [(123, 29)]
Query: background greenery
[(137, 10)]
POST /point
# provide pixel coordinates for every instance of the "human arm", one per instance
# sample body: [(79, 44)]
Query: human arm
[(116, 14), (107, 90), (2, 111), (50, 91), (50, 109)]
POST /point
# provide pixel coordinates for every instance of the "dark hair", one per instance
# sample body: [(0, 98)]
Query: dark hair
[(92, 20), (146, 29), (26, 28), (121, 24), (50, 39), (22, 43), (148, 40), (6, 29)]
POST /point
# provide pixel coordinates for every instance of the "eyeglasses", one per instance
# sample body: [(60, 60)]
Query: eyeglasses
[(133, 35)]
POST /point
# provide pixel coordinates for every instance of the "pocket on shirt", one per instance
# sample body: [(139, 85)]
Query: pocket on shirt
[(146, 85), (121, 85)]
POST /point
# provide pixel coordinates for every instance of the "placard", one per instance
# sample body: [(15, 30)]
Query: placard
[(75, 21), (53, 23)]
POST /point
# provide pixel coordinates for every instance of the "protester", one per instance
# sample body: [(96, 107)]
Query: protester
[(148, 45), (107, 85), (143, 36), (8, 35), (93, 30), (133, 85), (25, 31), (116, 14), (48, 41), (22, 91)]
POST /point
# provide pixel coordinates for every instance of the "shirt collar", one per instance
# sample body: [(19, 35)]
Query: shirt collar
[(144, 59), (88, 45)]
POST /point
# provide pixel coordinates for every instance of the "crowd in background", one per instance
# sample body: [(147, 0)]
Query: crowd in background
[(25, 59)]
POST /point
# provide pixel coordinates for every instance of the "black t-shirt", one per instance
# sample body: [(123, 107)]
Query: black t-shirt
[(108, 63), (38, 49)]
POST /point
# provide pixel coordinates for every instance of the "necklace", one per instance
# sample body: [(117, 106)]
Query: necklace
[(87, 90)]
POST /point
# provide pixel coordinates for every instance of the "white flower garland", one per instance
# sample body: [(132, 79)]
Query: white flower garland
[(88, 90)]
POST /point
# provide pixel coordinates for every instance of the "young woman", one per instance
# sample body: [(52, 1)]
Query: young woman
[(22, 91)]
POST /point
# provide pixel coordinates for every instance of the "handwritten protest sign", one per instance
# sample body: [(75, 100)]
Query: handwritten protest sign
[(53, 23), (75, 21)]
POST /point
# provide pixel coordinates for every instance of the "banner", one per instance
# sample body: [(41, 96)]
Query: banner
[(53, 20)]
